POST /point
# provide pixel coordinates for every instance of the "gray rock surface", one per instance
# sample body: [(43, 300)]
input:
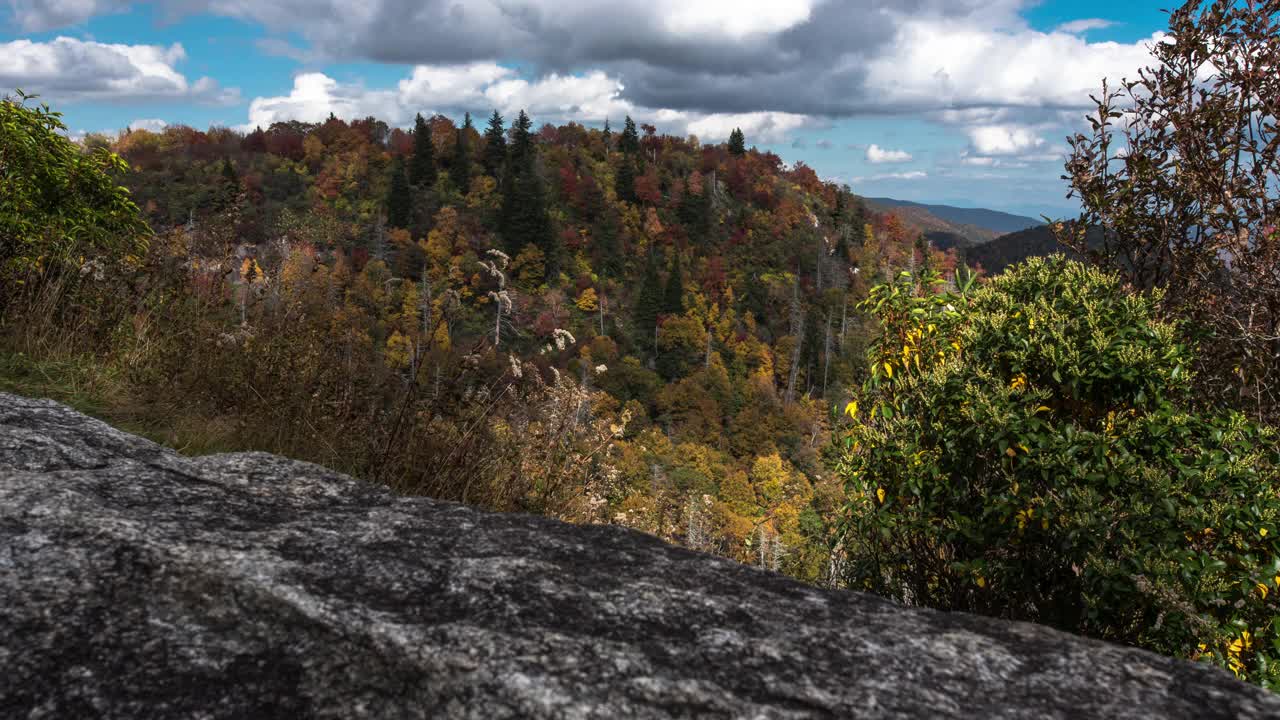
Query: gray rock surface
[(135, 583)]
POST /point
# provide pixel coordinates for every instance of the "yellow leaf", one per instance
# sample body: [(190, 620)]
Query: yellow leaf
[(1262, 590), (1011, 452), (1262, 532), (880, 494), (888, 370), (851, 409), (982, 582), (1024, 449), (1043, 408)]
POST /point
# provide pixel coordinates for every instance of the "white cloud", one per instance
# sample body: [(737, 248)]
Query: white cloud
[(934, 65), (152, 124), (1084, 25), (591, 97), (736, 19), (877, 155), (479, 87), (1003, 139), (715, 127), (38, 15), (315, 96), (69, 69), (911, 175)]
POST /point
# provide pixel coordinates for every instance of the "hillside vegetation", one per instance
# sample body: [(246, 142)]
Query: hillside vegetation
[(606, 327), (700, 342)]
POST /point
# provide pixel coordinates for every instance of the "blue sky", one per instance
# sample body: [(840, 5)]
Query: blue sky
[(965, 102)]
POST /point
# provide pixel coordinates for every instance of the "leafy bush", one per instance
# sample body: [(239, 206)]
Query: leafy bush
[(1025, 450), (57, 202)]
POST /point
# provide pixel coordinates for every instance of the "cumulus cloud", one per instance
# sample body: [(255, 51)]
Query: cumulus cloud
[(911, 175), (479, 87), (802, 57), (877, 155), (941, 66), (1003, 139), (39, 15), (70, 69), (1084, 25), (152, 124)]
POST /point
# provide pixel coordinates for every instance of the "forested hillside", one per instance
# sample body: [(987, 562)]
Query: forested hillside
[(434, 289), (700, 342)]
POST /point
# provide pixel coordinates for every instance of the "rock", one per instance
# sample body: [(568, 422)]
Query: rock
[(136, 583)]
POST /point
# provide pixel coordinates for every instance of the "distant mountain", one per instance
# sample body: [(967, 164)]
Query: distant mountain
[(943, 234), (994, 221), (996, 255)]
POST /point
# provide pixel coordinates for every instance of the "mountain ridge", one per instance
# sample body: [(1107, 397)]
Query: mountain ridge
[(996, 221)]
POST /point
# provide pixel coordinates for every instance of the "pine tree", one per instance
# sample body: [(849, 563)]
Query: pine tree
[(460, 165), (629, 141), (648, 305), (230, 183), (422, 166), (524, 219), (229, 175), (495, 146), (608, 246), (737, 142), (521, 141), (607, 136), (673, 297), (624, 180), (399, 200)]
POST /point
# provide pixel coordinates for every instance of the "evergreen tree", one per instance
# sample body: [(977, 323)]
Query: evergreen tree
[(422, 166), (737, 142), (495, 146), (648, 305), (521, 141), (399, 200), (624, 182), (607, 136), (524, 219), (629, 141), (695, 215), (673, 297), (460, 165), (230, 183), (609, 246), (229, 174)]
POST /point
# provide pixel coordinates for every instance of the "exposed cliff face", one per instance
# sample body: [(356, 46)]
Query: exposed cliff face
[(138, 583)]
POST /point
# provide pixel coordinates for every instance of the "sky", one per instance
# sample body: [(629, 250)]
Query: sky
[(962, 102)]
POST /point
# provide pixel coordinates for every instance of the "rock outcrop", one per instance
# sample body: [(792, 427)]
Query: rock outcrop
[(136, 583)]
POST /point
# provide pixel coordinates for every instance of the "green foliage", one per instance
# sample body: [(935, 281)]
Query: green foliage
[(648, 304), (58, 205), (495, 145), (1029, 450), (422, 167), (737, 142), (460, 165), (399, 200), (673, 295)]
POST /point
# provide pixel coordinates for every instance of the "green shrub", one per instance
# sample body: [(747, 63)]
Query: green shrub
[(1028, 450), (58, 203)]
